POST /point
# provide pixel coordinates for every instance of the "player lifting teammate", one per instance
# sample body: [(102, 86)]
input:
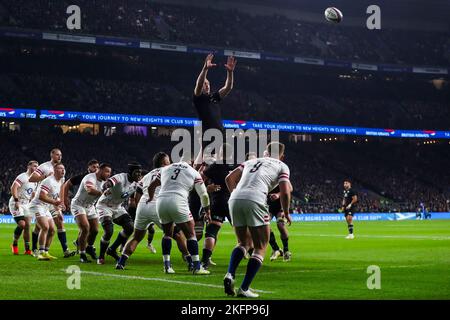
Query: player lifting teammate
[(349, 206), (176, 180), (147, 214), (215, 174), (21, 193), (249, 185), (276, 211)]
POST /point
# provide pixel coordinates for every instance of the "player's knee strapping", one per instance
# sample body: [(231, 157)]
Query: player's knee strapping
[(199, 230), (212, 230), (281, 221), (108, 229)]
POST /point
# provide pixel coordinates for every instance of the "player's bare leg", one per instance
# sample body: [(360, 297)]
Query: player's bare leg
[(62, 236), (212, 230), (166, 245), (130, 247), (34, 240), (26, 235), (83, 226), (284, 235), (50, 235), (44, 233), (17, 233), (150, 236), (93, 232), (349, 219), (108, 231), (192, 246), (260, 237), (126, 222), (244, 244), (182, 246)]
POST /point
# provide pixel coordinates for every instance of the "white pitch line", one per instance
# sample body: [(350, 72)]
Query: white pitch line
[(414, 237), (159, 279)]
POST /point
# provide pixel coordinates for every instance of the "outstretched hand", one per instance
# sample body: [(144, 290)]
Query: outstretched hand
[(231, 63), (208, 62)]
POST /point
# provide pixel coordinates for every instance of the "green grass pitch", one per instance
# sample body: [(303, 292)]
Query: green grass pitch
[(413, 256)]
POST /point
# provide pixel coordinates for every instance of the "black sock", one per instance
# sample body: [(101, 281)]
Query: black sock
[(103, 247), (34, 240), (206, 255), (27, 246), (150, 234), (120, 240), (285, 244), (236, 257), (252, 268), (63, 239), (123, 259), (17, 233), (273, 242), (192, 246), (350, 228)]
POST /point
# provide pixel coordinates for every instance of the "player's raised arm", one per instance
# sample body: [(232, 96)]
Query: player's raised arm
[(226, 89), (202, 76)]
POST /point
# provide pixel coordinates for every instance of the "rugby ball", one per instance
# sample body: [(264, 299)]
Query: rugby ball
[(333, 14)]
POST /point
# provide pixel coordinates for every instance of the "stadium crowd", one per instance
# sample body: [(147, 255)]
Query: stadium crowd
[(232, 29), (317, 169), (308, 99)]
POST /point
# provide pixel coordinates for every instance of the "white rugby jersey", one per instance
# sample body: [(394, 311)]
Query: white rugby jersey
[(49, 186), (45, 169), (259, 177), (146, 181), (82, 197), (119, 192), (25, 189), (178, 178)]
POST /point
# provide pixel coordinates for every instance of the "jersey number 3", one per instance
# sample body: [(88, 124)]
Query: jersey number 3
[(176, 172)]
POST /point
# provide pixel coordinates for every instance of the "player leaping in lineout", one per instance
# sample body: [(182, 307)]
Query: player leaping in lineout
[(211, 115)]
